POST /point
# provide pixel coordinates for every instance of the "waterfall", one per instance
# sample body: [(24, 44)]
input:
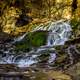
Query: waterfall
[(59, 32)]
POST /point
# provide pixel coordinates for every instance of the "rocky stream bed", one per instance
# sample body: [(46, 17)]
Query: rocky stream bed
[(45, 53)]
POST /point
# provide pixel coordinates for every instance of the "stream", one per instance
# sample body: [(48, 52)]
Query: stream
[(58, 33)]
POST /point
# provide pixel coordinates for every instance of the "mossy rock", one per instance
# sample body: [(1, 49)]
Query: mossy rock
[(75, 24), (23, 45), (38, 38), (33, 39)]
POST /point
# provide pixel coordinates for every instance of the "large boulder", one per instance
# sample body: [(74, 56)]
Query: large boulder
[(32, 39)]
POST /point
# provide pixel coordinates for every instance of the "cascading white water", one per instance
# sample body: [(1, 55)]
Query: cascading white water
[(19, 38), (59, 32)]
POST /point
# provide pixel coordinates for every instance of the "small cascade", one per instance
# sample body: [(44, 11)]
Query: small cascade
[(19, 38), (59, 32), (25, 61)]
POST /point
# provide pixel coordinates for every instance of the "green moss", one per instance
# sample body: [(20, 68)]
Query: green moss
[(24, 45), (38, 38), (75, 23)]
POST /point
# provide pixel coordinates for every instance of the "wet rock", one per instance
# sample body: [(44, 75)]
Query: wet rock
[(23, 45)]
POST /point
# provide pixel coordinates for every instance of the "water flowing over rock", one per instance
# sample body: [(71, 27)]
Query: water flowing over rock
[(37, 46)]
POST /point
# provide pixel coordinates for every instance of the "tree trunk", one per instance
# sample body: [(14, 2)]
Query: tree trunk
[(74, 6)]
